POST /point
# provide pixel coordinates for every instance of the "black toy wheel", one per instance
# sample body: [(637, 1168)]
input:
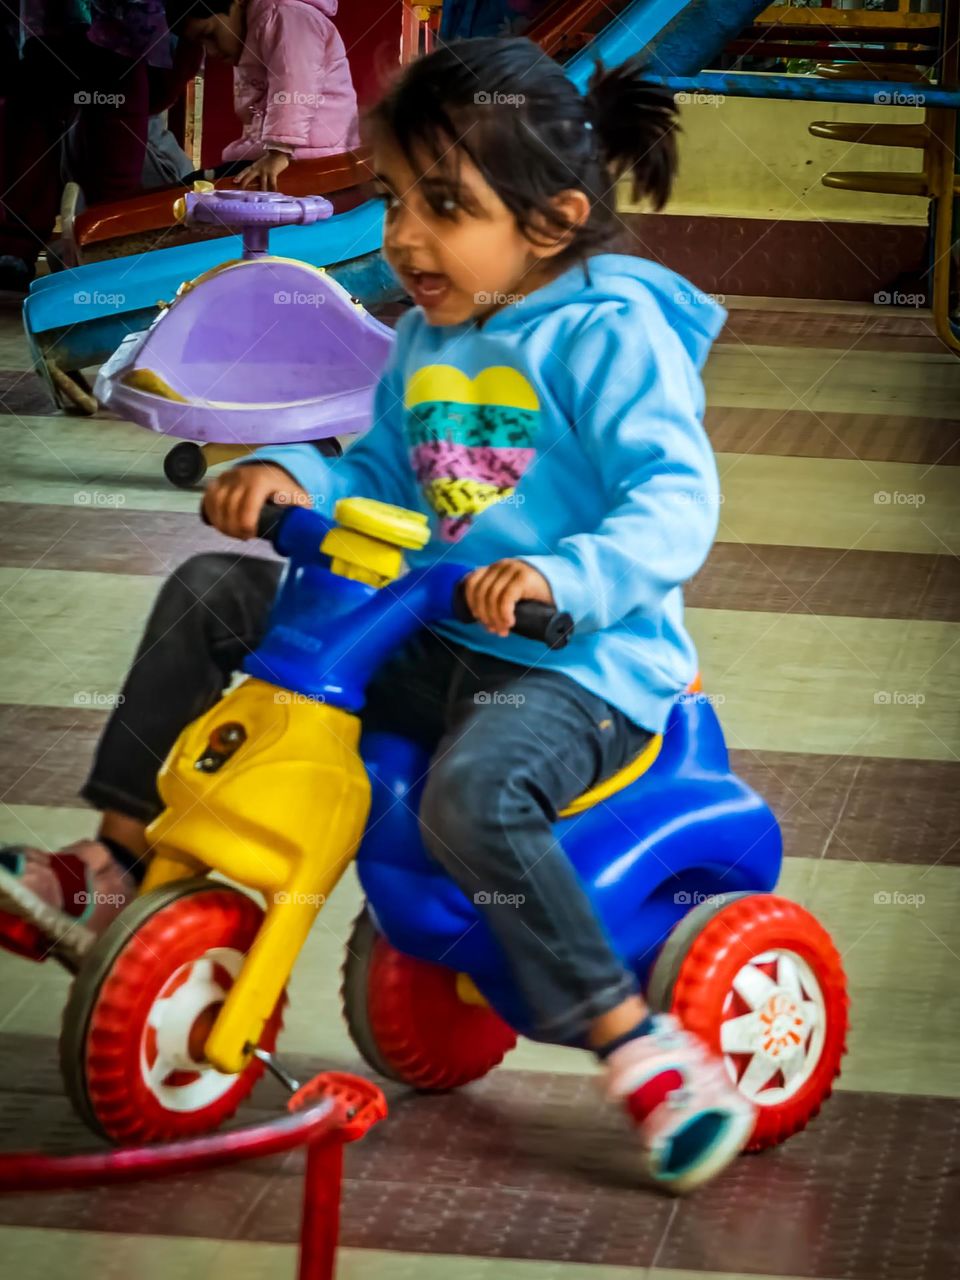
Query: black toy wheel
[(185, 465)]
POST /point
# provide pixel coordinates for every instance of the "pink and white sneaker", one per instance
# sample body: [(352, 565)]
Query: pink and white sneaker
[(692, 1119), (44, 895)]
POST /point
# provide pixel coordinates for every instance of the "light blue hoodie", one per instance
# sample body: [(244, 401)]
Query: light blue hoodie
[(565, 430)]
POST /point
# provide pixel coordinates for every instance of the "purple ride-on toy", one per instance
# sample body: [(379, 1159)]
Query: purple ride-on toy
[(258, 350)]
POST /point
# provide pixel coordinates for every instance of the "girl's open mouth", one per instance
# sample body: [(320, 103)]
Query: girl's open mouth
[(427, 288)]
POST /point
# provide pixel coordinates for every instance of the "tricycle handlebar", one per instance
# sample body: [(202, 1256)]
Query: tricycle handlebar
[(534, 619)]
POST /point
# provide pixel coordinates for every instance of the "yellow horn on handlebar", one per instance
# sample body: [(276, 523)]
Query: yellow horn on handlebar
[(368, 543)]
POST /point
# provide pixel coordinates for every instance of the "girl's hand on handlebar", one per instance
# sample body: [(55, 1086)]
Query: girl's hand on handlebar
[(493, 591), (233, 502)]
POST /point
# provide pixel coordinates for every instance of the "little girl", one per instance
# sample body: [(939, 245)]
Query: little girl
[(542, 406), (292, 86)]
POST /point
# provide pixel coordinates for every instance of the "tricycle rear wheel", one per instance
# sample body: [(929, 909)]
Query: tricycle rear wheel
[(408, 1020), (759, 979)]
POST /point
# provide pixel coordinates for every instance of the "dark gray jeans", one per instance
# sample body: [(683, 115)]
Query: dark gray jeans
[(511, 747)]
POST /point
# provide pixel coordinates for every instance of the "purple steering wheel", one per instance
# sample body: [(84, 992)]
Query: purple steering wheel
[(253, 213)]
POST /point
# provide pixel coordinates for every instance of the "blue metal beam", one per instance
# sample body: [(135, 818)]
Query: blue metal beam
[(731, 84), (679, 36)]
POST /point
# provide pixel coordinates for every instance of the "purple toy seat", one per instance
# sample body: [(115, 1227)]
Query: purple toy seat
[(256, 351)]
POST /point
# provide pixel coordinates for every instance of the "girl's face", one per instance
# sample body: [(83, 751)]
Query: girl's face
[(457, 249), (221, 34)]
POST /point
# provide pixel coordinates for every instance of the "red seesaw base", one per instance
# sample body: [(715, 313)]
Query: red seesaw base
[(332, 1109)]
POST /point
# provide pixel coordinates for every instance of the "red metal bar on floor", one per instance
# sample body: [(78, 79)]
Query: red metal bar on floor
[(320, 1228), (329, 1111), (31, 1171)]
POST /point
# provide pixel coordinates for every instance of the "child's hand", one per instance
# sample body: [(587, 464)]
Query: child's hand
[(263, 173), (493, 591), (233, 502)]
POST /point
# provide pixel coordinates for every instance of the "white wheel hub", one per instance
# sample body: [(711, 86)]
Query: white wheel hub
[(176, 1079), (773, 1028)]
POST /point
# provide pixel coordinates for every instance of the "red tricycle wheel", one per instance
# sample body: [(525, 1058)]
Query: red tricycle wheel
[(140, 1011), (408, 1021), (759, 978)]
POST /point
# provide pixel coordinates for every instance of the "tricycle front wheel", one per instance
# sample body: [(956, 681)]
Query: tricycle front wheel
[(143, 1004), (407, 1018)]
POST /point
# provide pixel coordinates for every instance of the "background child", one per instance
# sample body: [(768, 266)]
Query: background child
[(292, 86), (533, 362)]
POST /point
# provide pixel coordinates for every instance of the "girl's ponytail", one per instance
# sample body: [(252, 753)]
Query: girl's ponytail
[(636, 127)]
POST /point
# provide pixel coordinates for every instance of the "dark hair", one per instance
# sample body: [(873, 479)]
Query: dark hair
[(181, 11), (531, 133)]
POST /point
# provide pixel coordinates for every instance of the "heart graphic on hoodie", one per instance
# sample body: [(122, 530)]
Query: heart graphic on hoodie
[(470, 439)]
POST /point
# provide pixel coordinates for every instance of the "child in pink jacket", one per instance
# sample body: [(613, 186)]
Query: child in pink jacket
[(292, 86)]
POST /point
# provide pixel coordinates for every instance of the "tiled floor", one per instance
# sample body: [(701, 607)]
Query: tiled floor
[(828, 621)]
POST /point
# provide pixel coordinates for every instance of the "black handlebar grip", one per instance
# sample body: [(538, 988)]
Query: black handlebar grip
[(269, 520), (539, 621), (534, 619)]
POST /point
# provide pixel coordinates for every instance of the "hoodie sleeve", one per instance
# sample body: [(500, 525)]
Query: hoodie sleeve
[(635, 401), (375, 466), (289, 49)]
